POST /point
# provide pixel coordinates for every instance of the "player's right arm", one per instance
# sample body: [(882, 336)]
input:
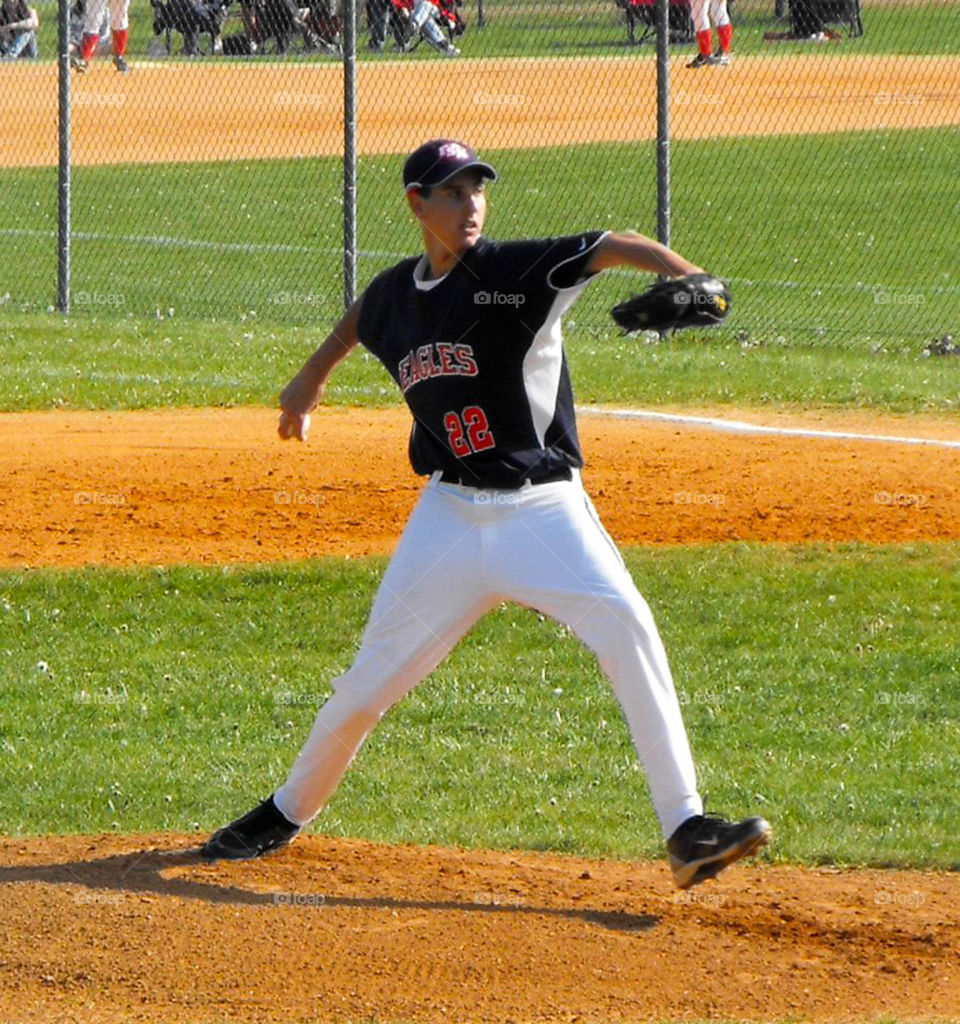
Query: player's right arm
[(306, 389), (631, 249)]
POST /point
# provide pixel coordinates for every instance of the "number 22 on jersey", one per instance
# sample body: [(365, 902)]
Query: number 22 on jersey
[(468, 432)]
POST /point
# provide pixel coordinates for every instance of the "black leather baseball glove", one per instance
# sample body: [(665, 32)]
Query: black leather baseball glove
[(695, 300)]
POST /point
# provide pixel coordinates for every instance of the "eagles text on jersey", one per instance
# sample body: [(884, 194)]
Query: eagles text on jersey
[(478, 355)]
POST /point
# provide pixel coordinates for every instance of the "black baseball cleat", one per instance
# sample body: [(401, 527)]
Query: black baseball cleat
[(705, 844), (701, 60), (258, 832), (121, 65)]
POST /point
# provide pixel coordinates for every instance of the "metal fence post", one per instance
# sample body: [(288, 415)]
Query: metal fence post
[(63, 171), (349, 151), (663, 121)]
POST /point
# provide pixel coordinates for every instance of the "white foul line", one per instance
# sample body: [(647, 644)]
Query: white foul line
[(739, 427)]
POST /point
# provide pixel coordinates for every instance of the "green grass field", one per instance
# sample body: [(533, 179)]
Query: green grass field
[(598, 27), (837, 288), (819, 687), (818, 682), (189, 288)]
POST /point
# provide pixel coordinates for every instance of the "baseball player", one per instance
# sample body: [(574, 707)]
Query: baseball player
[(470, 332), (93, 17), (702, 12)]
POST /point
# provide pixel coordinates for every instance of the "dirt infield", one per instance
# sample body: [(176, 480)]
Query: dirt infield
[(212, 486), (138, 929), (113, 929), (217, 111)]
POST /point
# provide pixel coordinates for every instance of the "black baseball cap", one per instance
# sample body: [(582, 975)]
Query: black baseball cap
[(439, 159)]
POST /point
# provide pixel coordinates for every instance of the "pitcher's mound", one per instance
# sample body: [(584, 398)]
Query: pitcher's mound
[(139, 928)]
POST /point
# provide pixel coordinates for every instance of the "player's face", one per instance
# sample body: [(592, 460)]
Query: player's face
[(455, 211)]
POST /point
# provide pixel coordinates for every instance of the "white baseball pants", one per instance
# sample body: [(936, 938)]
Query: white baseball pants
[(95, 10), (462, 552), (705, 11)]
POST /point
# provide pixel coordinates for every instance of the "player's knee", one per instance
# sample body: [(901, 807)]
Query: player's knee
[(623, 613), (718, 12), (369, 695)]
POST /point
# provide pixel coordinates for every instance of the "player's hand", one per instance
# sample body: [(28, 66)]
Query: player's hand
[(297, 400), (293, 424)]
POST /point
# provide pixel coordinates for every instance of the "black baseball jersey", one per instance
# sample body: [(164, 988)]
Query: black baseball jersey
[(478, 355)]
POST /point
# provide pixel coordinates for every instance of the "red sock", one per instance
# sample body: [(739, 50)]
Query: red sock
[(119, 42), (704, 42), (88, 45), (725, 34)]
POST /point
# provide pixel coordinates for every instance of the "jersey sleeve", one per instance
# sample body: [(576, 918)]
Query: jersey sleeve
[(372, 311), (569, 259), (550, 263)]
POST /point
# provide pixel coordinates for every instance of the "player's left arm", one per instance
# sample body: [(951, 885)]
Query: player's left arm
[(629, 249), (305, 390)]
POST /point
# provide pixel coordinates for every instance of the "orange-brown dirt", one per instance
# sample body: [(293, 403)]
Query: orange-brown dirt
[(108, 930), (217, 485), (137, 928), (219, 111), (118, 929)]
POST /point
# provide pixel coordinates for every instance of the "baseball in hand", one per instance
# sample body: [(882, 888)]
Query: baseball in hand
[(292, 425)]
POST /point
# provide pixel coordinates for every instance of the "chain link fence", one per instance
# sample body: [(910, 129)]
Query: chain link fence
[(813, 167)]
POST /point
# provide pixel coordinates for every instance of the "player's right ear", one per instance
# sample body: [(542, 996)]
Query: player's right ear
[(415, 198), (415, 202)]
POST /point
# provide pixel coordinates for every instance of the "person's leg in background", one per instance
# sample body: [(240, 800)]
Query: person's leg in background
[(721, 18), (92, 16), (377, 16), (23, 43), (701, 24), (118, 33)]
